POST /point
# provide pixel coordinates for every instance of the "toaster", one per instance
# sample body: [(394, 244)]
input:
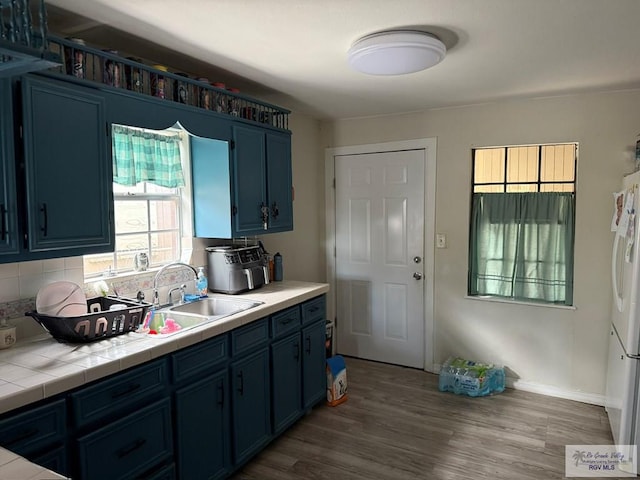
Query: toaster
[(234, 269)]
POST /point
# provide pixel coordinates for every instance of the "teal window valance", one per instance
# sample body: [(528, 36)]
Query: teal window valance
[(521, 246), (143, 156)]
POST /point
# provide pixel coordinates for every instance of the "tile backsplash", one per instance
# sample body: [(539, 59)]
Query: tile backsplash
[(20, 282)]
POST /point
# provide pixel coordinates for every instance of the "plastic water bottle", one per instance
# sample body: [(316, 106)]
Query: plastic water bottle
[(277, 267), (202, 284)]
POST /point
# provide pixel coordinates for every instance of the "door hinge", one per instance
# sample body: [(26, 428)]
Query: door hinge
[(21, 132), (335, 251), (106, 129), (334, 183), (232, 144), (234, 210)]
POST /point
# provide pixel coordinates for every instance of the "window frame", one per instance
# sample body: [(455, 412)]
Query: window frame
[(505, 183), (182, 196)]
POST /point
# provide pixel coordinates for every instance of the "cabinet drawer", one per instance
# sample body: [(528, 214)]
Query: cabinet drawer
[(110, 397), (166, 473), (128, 447), (34, 429), (200, 358), (285, 322), (248, 337), (314, 310)]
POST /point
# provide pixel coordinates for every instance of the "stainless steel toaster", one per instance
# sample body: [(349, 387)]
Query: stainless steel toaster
[(235, 269)]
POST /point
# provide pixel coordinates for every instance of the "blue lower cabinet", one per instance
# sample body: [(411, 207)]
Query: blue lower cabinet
[(286, 384), (54, 459), (250, 404), (202, 428), (165, 473), (36, 431), (314, 378), (129, 447)]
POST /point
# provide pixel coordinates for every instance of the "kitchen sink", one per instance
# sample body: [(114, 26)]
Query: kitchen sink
[(215, 306), (177, 318)]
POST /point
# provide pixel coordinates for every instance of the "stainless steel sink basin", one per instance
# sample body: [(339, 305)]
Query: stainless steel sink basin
[(215, 306), (192, 314)]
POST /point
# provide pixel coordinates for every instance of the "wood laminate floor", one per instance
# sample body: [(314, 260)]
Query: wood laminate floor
[(397, 425)]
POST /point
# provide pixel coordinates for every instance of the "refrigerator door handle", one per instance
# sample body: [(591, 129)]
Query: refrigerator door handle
[(619, 301)]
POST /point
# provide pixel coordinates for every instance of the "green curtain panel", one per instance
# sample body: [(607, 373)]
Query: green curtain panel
[(140, 156), (521, 246)]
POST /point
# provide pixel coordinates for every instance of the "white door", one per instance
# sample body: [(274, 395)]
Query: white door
[(380, 256)]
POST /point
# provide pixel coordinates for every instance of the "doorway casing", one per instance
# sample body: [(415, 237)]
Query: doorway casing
[(429, 147)]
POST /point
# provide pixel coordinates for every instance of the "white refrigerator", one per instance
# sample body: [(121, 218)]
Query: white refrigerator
[(623, 370)]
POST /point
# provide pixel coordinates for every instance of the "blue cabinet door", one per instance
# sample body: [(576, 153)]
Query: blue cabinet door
[(250, 208), (279, 182), (251, 406), (8, 196), (314, 379), (67, 166), (286, 392), (202, 428)]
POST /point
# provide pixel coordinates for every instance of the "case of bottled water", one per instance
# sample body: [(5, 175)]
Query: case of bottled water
[(466, 377)]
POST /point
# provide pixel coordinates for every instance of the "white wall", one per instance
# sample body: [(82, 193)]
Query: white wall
[(561, 351)]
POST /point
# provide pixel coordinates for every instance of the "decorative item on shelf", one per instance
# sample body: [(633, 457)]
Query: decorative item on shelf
[(133, 75), (221, 98), (111, 70), (181, 89), (234, 102), (265, 116), (158, 82), (75, 59), (205, 94), (140, 262), (249, 113)]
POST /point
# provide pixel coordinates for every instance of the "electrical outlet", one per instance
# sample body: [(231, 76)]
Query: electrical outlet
[(441, 240)]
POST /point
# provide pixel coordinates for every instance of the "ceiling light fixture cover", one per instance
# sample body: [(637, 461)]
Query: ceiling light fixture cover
[(396, 52)]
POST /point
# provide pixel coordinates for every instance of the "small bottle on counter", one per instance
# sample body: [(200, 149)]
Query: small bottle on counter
[(202, 284), (277, 267)]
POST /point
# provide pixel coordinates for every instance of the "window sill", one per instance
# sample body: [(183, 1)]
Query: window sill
[(519, 302)]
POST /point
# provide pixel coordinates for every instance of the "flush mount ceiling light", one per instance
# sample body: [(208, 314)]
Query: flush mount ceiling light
[(396, 52)]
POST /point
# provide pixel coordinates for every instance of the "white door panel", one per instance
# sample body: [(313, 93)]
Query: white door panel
[(379, 232)]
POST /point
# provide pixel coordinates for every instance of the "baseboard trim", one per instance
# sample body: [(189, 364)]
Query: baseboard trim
[(549, 390)]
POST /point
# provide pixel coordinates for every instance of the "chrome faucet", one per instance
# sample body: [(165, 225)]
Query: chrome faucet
[(156, 300), (180, 289)]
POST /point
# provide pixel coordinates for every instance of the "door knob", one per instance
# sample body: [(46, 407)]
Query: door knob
[(417, 259), (417, 276)]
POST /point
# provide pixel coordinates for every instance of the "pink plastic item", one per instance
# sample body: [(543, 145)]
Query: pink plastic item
[(170, 326)]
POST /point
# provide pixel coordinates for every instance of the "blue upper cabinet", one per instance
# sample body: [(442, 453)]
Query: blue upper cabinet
[(8, 196), (262, 181), (244, 194), (250, 205), (67, 169), (279, 182)]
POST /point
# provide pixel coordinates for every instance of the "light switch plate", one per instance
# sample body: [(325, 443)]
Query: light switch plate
[(441, 240)]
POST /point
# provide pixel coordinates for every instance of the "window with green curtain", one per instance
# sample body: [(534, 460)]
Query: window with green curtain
[(143, 156), (522, 223), (522, 246)]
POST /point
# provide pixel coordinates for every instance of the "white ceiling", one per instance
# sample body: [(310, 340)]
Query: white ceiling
[(293, 52)]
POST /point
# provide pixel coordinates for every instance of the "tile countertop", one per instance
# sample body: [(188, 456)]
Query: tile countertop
[(40, 367)]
